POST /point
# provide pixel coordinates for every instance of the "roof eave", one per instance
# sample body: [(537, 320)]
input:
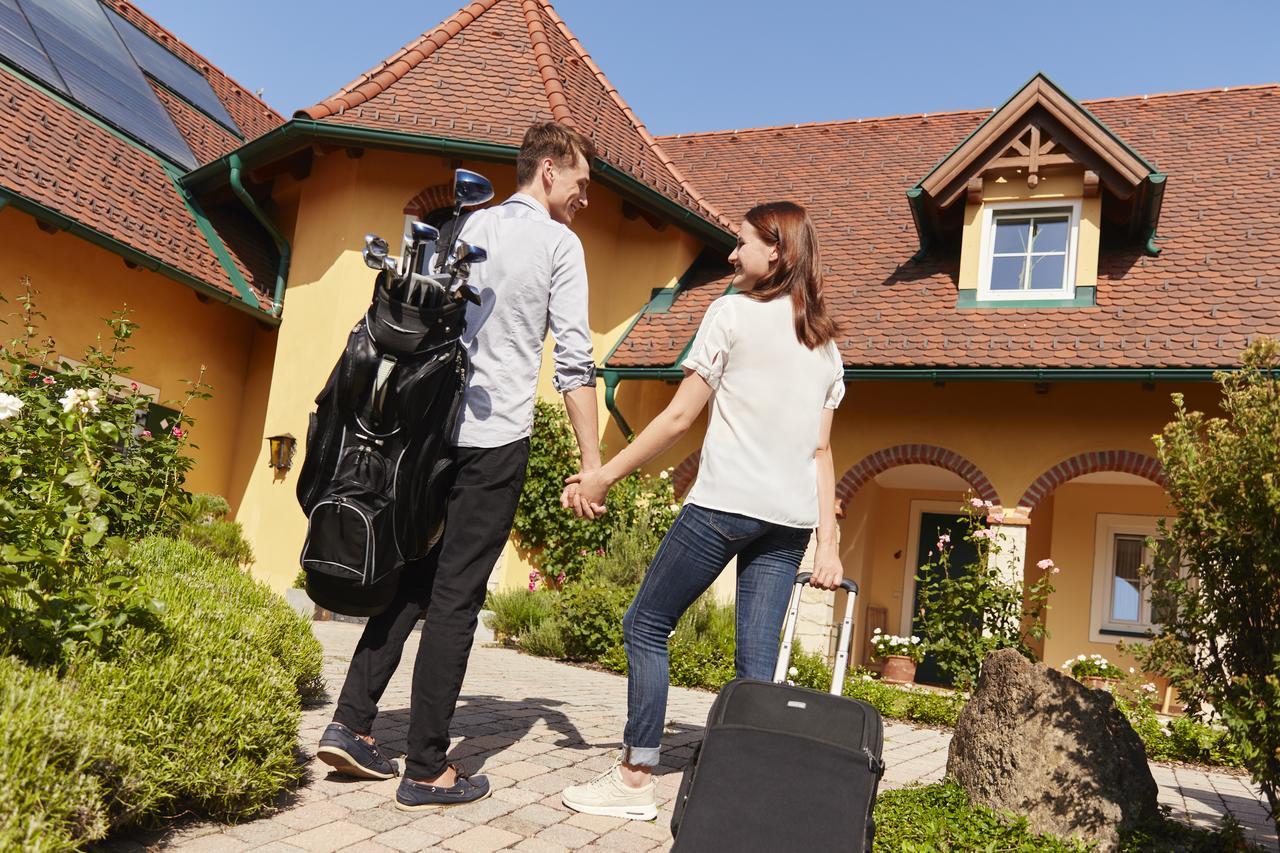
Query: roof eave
[(970, 374), (298, 133)]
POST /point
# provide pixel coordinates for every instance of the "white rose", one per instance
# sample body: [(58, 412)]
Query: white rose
[(793, 672), (664, 475), (9, 406)]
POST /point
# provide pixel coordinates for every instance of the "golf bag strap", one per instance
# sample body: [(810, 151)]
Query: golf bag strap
[(449, 232)]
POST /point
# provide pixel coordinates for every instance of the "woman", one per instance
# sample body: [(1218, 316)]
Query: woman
[(766, 360)]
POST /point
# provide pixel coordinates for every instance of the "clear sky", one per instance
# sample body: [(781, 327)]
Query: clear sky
[(687, 65)]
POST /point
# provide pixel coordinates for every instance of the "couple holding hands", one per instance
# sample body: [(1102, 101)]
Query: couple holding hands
[(764, 360)]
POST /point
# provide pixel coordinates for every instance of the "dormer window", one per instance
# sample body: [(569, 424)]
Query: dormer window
[(1029, 250)]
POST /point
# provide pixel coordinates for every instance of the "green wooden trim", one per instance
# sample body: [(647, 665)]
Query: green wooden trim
[(1086, 297), (211, 235), (298, 133), (72, 226)]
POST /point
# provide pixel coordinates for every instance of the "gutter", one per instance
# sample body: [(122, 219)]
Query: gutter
[(214, 240), (297, 133), (970, 374), (282, 245), (71, 226)]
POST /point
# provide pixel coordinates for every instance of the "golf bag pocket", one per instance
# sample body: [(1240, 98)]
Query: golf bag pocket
[(351, 542)]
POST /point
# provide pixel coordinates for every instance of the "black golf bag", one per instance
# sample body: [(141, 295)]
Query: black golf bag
[(377, 471)]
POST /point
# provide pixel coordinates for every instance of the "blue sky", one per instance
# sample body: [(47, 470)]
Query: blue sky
[(687, 65)]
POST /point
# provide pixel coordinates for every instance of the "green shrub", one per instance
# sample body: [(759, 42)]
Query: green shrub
[(941, 817), (809, 669), (205, 524), (701, 664), (546, 638), (592, 618), (558, 542), (517, 611), (82, 482), (199, 715), (1183, 739), (933, 709)]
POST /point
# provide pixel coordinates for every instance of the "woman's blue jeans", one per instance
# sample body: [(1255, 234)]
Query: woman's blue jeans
[(695, 550)]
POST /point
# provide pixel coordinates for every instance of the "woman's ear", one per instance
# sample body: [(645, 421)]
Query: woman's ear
[(773, 254)]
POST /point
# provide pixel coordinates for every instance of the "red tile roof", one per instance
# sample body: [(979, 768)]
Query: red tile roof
[(1215, 283), (56, 156), (491, 70)]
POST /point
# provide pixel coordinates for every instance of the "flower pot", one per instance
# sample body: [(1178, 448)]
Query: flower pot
[(898, 669), (1098, 682)]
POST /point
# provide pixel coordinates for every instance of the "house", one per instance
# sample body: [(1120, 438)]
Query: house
[(101, 112), (1019, 289)]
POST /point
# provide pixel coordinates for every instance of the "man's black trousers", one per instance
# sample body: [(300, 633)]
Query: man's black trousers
[(446, 589)]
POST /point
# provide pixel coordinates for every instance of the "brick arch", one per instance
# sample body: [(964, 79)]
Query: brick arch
[(914, 454), (1124, 461), (684, 473), (431, 198)]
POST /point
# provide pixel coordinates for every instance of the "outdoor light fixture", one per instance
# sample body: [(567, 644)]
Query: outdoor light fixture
[(282, 449)]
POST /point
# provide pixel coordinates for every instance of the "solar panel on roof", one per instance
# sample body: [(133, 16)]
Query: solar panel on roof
[(101, 75), (19, 45), (161, 64)]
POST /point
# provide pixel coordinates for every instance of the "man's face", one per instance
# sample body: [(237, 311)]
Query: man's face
[(566, 187)]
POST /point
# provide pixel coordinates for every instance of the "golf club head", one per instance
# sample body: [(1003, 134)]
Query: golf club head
[(422, 231), (467, 254), (375, 252), (470, 188)]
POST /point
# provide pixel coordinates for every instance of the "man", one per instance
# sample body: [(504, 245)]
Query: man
[(535, 279)]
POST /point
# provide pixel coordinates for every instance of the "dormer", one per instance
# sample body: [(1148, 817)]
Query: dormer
[(1029, 199)]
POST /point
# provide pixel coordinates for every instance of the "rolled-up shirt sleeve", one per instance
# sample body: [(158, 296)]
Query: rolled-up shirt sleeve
[(709, 352), (567, 317)]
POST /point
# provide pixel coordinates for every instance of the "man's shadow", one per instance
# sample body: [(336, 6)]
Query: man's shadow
[(489, 725)]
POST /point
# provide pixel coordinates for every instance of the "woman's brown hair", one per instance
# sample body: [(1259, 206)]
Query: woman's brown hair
[(798, 270)]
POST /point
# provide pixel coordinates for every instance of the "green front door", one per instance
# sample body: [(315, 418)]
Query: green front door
[(963, 553)]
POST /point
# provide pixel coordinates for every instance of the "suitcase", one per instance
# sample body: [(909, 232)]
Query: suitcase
[(783, 767)]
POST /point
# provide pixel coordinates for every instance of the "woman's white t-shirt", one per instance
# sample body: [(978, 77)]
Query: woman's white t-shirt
[(769, 391)]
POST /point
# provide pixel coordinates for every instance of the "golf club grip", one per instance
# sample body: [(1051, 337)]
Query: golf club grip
[(792, 623)]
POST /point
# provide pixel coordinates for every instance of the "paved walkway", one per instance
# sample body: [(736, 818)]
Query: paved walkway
[(534, 726)]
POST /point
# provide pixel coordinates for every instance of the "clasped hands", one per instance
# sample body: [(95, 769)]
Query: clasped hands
[(584, 493)]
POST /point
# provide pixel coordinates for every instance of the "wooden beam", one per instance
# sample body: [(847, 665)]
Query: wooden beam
[(973, 190), (1091, 183), (1033, 159)]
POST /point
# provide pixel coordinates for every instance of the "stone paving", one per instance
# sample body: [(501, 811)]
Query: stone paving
[(534, 726)]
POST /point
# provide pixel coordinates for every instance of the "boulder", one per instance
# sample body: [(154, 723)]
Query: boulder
[(1038, 743)]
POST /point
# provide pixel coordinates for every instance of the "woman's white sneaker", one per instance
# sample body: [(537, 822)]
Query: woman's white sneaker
[(608, 795)]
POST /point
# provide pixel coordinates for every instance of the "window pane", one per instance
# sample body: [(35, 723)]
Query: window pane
[(1050, 235), (1047, 271), (1126, 588), (1006, 273), (1012, 235)]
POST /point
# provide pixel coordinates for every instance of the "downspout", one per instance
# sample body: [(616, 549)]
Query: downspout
[(1157, 180), (611, 380), (282, 245)]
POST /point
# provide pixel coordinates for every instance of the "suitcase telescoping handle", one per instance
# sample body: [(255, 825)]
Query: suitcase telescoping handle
[(793, 620)]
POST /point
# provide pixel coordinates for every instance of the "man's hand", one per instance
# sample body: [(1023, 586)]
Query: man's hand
[(828, 572)]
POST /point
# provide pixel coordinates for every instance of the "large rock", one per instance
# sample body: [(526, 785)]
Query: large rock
[(1038, 743)]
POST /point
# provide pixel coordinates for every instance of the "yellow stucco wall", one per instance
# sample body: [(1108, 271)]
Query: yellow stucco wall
[(1010, 186), (331, 210), (80, 284)]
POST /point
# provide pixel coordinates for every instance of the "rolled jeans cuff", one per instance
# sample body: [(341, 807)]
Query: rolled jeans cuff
[(641, 756)]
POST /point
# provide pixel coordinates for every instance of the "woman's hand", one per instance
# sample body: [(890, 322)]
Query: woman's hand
[(585, 493), (828, 572)]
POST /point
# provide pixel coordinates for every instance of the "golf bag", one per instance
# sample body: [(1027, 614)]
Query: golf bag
[(784, 767), (377, 471)]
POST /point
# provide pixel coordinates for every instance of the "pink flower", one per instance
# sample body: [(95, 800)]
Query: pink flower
[(944, 539), (988, 504), (975, 502), (48, 380), (560, 578), (533, 585), (1055, 570), (1044, 564), (133, 386), (982, 534), (533, 576), (146, 433), (178, 433), (997, 518), (599, 552)]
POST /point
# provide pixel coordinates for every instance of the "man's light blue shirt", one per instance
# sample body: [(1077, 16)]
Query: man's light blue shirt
[(535, 280)]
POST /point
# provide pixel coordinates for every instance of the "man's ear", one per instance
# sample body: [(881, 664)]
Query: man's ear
[(548, 172)]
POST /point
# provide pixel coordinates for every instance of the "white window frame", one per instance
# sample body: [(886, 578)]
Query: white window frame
[(992, 211), (1108, 527)]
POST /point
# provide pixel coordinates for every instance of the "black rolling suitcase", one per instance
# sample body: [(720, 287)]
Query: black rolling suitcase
[(784, 768)]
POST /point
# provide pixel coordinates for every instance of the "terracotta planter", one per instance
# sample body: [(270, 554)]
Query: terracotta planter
[(1097, 682), (898, 669)]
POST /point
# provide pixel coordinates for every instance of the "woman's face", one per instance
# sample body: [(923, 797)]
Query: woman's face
[(751, 258)]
